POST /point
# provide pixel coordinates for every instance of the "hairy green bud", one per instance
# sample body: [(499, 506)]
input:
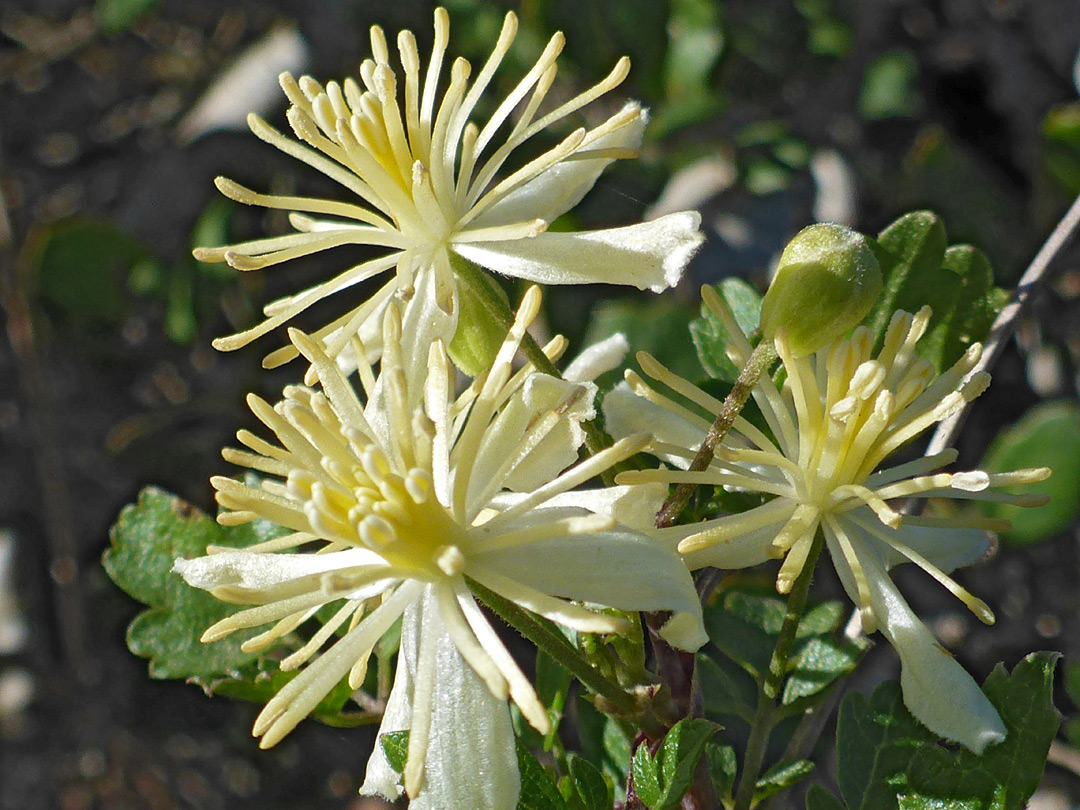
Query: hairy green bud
[(827, 281), (484, 315)]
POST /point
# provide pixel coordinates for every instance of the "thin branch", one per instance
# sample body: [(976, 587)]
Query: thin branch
[(762, 357), (1008, 319), (56, 505)]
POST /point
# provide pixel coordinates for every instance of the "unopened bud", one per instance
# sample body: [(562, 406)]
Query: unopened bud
[(826, 283), (479, 333)]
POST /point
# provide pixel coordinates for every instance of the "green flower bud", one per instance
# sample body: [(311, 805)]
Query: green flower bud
[(484, 315), (827, 281)]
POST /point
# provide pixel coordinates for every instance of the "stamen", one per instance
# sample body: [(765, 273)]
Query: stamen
[(450, 560), (521, 691)]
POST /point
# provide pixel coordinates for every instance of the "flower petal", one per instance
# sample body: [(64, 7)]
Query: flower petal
[(635, 506), (380, 779), (625, 413), (743, 551), (948, 549), (555, 191), (538, 458), (471, 755), (597, 359), (260, 573), (619, 569), (650, 255), (937, 690)]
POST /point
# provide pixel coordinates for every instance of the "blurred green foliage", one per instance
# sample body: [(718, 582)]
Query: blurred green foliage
[(1046, 436)]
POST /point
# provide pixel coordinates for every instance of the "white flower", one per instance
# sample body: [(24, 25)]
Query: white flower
[(430, 183), (402, 499), (840, 414)]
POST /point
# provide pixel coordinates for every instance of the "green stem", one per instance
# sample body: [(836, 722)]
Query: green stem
[(760, 360), (765, 715), (550, 641)]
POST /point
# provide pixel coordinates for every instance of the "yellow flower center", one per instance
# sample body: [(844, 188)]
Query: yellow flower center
[(396, 516)]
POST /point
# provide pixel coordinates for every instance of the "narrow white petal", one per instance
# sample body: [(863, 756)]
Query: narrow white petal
[(937, 690), (625, 413), (539, 458), (381, 779), (633, 506), (255, 572), (948, 549), (742, 551), (598, 359), (620, 569), (471, 757), (650, 255), (558, 189)]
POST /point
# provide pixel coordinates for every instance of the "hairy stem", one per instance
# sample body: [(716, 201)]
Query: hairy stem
[(1008, 319), (760, 361), (765, 715), (550, 641)]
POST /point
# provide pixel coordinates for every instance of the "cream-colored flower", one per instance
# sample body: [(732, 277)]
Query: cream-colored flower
[(402, 499), (840, 414), (430, 183)]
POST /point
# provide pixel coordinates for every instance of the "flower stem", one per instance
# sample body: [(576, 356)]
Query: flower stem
[(765, 715), (550, 641), (760, 360)]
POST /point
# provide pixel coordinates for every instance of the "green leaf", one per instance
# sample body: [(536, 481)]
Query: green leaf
[(965, 305), (744, 626), (820, 798), (662, 779), (115, 16), (605, 741), (1061, 146), (395, 745), (656, 325), (590, 785), (723, 768), (552, 680), (780, 777), (888, 87), (646, 772), (727, 689), (538, 792), (1047, 436), (552, 686), (924, 803), (695, 42), (80, 266), (883, 753), (909, 250), (708, 331), (147, 538), (212, 228), (181, 322), (819, 662), (957, 284)]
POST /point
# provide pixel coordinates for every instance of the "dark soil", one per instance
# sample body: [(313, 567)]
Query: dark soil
[(93, 409)]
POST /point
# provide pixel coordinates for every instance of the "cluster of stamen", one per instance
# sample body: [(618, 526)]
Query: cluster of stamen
[(839, 414), (424, 171)]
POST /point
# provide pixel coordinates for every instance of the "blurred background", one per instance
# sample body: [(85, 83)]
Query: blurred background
[(115, 117)]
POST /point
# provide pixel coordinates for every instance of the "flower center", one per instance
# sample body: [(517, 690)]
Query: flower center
[(394, 515)]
